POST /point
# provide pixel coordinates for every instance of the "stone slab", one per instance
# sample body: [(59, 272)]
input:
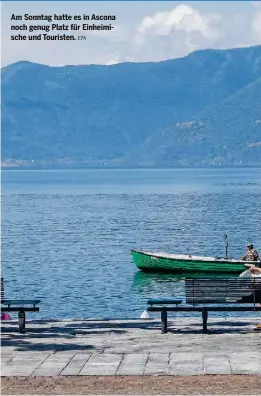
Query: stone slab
[(22, 365), (246, 363), (101, 364), (186, 364), (76, 364), (133, 364), (53, 365), (217, 365), (157, 364)]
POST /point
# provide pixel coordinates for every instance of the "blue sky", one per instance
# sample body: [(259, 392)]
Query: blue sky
[(144, 31)]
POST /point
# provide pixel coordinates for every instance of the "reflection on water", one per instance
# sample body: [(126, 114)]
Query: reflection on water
[(161, 284), (141, 278)]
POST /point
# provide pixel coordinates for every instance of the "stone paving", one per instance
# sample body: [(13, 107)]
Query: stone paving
[(131, 347)]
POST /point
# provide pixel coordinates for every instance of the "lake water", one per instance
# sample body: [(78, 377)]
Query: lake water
[(67, 234)]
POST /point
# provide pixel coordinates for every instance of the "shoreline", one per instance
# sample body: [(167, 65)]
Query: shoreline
[(119, 168)]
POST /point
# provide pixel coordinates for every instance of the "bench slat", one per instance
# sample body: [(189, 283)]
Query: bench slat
[(19, 302), (221, 295), (219, 308), (228, 280), (212, 289), (224, 287), (19, 309), (218, 301), (153, 301), (223, 284), (223, 292)]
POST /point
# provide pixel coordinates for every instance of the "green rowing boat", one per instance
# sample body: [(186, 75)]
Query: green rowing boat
[(159, 261)]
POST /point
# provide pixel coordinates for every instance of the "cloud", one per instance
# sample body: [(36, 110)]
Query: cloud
[(256, 4), (182, 18), (256, 21), (175, 33), (256, 25), (186, 28)]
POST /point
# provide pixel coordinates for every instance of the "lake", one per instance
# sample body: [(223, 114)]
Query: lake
[(67, 234)]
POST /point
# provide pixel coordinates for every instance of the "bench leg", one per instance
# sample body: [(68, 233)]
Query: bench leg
[(205, 320), (21, 320), (164, 322)]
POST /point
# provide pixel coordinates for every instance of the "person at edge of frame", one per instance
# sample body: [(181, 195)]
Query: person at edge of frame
[(256, 271)]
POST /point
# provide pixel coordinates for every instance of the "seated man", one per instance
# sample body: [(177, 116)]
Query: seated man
[(251, 254)]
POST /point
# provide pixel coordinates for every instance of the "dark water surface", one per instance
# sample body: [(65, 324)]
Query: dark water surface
[(67, 235)]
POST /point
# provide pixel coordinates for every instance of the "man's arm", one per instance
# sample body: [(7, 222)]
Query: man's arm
[(254, 269)]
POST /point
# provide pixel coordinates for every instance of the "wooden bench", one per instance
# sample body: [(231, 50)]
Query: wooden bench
[(211, 295), (20, 306)]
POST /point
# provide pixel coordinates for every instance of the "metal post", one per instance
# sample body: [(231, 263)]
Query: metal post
[(254, 294), (21, 320), (164, 321), (205, 320), (226, 244)]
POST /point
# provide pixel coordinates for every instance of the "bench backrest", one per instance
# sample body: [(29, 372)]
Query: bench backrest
[(230, 290)]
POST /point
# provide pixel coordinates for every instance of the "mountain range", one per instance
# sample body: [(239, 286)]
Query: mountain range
[(200, 110)]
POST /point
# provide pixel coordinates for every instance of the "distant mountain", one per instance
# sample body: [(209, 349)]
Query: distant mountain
[(203, 109), (227, 133)]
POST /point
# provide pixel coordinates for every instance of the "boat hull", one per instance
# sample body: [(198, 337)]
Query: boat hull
[(149, 262)]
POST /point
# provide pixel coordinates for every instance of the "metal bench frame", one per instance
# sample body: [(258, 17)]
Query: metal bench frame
[(18, 306), (197, 302)]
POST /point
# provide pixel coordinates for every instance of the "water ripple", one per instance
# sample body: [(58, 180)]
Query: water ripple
[(72, 249)]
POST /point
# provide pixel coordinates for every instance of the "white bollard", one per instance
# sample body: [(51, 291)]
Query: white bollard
[(145, 315)]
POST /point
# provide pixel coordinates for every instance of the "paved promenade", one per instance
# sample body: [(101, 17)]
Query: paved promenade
[(131, 347)]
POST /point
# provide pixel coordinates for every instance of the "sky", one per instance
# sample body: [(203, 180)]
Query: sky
[(148, 31)]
